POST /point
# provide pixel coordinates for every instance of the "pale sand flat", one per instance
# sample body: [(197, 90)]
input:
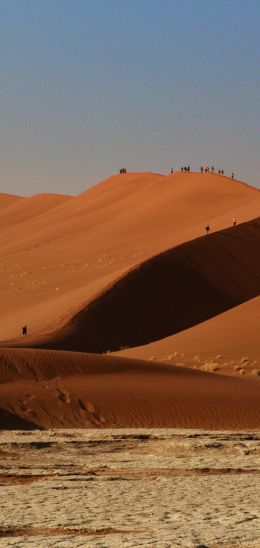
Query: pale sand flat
[(130, 488)]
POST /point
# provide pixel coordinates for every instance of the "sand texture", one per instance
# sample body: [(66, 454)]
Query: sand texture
[(41, 388), (130, 488), (59, 253), (135, 317)]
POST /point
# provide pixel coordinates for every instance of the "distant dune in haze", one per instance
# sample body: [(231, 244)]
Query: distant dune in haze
[(20, 210), (127, 264)]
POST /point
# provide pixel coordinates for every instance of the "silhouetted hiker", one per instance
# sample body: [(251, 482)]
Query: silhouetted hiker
[(207, 229), (201, 169), (24, 330), (232, 175), (171, 170), (222, 172), (234, 221), (188, 168), (181, 168)]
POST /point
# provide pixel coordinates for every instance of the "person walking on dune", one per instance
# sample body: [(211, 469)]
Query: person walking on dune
[(24, 330), (234, 221), (207, 229)]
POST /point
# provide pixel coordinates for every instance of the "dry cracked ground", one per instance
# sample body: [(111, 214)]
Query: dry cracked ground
[(130, 488)]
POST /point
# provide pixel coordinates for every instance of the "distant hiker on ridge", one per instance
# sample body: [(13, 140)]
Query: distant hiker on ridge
[(207, 229), (234, 221), (24, 330)]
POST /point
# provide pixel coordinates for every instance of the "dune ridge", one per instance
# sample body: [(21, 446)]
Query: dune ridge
[(123, 264), (168, 293), (64, 389), (68, 252), (231, 335), (23, 209)]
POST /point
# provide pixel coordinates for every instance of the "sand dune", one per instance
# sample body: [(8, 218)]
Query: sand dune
[(8, 199), (64, 251), (63, 389), (123, 264), (169, 293), (24, 209), (232, 335)]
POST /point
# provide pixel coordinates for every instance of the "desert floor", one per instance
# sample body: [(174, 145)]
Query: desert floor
[(130, 488)]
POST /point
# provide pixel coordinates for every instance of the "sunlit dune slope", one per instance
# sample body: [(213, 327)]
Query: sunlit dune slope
[(233, 334), (58, 253), (47, 389), (169, 293)]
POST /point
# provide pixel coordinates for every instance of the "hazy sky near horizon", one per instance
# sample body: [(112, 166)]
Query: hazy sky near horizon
[(90, 86)]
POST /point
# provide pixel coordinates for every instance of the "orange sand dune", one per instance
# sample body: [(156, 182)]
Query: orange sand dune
[(233, 334), (63, 252), (168, 293), (62, 389), (24, 209), (8, 199), (123, 264)]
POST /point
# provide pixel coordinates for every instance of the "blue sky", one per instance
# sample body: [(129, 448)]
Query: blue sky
[(87, 87)]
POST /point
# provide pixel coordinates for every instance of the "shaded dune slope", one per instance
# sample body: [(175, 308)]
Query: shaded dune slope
[(47, 389), (169, 293)]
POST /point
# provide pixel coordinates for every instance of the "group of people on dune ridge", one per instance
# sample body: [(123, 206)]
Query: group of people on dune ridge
[(186, 169), (203, 169)]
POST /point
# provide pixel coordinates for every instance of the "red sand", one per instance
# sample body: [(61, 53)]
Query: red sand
[(20, 210), (169, 293), (126, 263), (56, 261), (233, 335), (64, 389)]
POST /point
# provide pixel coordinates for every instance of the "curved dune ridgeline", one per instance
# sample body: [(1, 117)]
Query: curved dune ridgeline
[(57, 253), (55, 389), (124, 264), (169, 293), (19, 210), (231, 335)]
